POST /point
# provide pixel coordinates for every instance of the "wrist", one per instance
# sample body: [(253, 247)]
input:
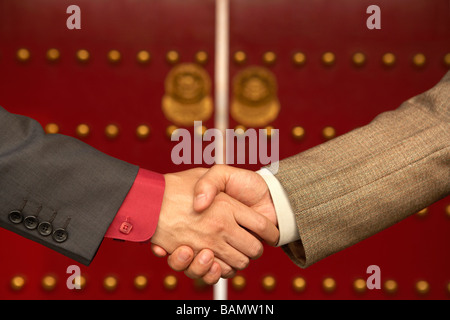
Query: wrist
[(140, 210), (287, 224)]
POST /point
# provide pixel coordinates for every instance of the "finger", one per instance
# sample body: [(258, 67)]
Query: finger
[(246, 243), (217, 270), (181, 258), (158, 251), (235, 258), (239, 244), (200, 265), (226, 270), (209, 185), (213, 274), (258, 224)]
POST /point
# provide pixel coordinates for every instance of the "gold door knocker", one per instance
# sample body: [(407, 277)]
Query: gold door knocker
[(187, 97), (255, 102)]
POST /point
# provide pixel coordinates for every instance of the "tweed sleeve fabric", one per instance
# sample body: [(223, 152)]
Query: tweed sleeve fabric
[(360, 183)]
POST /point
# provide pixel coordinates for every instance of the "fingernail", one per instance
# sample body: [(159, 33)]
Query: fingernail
[(184, 256), (205, 258), (200, 198)]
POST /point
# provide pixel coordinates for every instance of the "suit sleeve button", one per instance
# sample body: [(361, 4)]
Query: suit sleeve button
[(15, 216), (45, 228), (31, 222), (60, 235)]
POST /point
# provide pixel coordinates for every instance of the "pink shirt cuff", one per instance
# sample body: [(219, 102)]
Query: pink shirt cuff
[(138, 216)]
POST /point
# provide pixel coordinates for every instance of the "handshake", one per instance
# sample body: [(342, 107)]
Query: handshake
[(212, 221)]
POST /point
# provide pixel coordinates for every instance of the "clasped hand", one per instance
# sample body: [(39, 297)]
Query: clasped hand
[(212, 221)]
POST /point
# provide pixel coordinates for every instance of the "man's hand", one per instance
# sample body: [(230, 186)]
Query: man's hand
[(219, 228), (245, 186)]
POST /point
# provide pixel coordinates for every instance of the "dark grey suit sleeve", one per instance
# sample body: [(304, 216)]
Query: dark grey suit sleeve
[(73, 190)]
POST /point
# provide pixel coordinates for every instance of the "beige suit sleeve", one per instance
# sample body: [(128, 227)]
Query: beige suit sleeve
[(360, 183)]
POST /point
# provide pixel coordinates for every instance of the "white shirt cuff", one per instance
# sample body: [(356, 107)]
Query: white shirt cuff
[(285, 216)]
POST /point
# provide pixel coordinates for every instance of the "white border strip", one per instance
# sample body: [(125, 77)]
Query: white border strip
[(221, 99)]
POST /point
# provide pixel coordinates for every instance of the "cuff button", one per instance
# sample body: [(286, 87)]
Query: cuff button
[(125, 227), (31, 222), (15, 216), (45, 228), (60, 235)]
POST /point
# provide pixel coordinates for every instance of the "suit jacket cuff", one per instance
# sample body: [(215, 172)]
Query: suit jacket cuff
[(138, 216)]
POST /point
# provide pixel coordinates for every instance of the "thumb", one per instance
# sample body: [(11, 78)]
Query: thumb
[(209, 185)]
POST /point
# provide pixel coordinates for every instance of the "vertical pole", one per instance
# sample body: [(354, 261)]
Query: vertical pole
[(221, 99)]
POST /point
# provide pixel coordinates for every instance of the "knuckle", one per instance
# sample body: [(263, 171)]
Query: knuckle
[(218, 225), (228, 272), (191, 275), (210, 281), (222, 201), (172, 262), (194, 273), (176, 267), (256, 250), (242, 263), (226, 269), (218, 167)]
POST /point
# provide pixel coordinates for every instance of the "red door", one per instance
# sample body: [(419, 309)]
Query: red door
[(121, 83)]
